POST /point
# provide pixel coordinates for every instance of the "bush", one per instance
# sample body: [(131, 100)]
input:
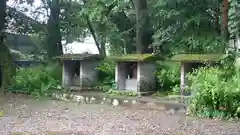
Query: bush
[(37, 80), (214, 95), (106, 74), (168, 75)]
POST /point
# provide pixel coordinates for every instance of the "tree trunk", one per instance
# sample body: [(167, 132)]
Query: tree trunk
[(54, 34), (144, 34), (103, 46), (225, 33), (100, 43), (8, 67), (93, 33), (2, 26)]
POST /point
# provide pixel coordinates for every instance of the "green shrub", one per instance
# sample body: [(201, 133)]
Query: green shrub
[(214, 95), (106, 74), (168, 75), (37, 80), (122, 93)]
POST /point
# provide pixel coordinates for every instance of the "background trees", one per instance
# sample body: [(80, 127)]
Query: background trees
[(163, 26)]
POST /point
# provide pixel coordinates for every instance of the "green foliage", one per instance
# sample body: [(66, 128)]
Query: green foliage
[(179, 30), (176, 90), (168, 75), (106, 74), (122, 93), (214, 94), (37, 80)]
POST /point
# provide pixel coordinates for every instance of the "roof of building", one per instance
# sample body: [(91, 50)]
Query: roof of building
[(135, 57), (198, 57), (82, 56)]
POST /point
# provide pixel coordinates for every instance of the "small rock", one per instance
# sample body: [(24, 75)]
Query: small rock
[(115, 102), (171, 111), (49, 114), (87, 99), (78, 98), (125, 101), (182, 111), (134, 102), (64, 95), (151, 105), (92, 100)]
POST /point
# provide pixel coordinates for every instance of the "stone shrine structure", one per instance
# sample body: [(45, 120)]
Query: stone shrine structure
[(79, 70), (135, 72), (189, 62)]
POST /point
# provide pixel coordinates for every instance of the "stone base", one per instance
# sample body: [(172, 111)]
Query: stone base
[(172, 106), (146, 93), (79, 89)]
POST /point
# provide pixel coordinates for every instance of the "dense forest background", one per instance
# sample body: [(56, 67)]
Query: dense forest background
[(165, 27)]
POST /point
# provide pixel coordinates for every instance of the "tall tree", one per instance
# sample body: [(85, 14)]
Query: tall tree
[(54, 39), (2, 20), (225, 20), (144, 34), (2, 25), (5, 56)]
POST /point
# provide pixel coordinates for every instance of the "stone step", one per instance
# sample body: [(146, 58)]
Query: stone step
[(171, 106)]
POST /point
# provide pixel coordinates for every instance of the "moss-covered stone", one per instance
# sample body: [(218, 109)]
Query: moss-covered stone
[(198, 57), (83, 56), (135, 57)]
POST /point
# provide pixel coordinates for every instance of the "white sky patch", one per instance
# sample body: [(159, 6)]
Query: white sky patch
[(76, 47)]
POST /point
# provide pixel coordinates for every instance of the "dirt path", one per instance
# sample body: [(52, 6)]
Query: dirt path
[(26, 115)]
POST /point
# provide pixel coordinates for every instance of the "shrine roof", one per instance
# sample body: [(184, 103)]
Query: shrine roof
[(135, 58), (83, 56), (198, 57)]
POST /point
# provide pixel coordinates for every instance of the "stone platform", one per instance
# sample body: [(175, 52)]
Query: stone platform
[(172, 105)]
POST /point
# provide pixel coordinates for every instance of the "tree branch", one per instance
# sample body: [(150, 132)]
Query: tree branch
[(92, 31)]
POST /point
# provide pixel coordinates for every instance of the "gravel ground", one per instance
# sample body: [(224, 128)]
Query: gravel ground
[(24, 115)]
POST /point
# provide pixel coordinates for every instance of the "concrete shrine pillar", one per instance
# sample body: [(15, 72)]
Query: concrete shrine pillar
[(88, 74), (120, 75), (146, 76), (185, 69), (68, 73)]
